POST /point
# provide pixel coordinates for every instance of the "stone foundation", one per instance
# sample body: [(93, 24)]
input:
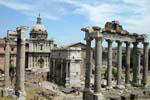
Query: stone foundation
[(98, 96), (7, 92), (87, 95)]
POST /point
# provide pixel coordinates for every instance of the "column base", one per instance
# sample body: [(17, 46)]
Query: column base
[(109, 87), (146, 86), (120, 87), (136, 84), (20, 95), (87, 94), (8, 92), (98, 96), (127, 85), (67, 84)]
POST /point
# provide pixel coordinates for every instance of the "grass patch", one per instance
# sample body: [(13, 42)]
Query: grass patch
[(6, 98)]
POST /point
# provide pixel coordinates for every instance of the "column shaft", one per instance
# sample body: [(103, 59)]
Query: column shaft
[(20, 65), (109, 67), (145, 63), (128, 52), (119, 67), (135, 62), (98, 65), (88, 64), (53, 75), (67, 74), (7, 63), (138, 68), (61, 72)]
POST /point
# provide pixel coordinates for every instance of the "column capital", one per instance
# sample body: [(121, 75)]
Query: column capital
[(119, 42), (88, 39), (98, 38), (145, 43), (135, 43), (127, 43), (110, 41)]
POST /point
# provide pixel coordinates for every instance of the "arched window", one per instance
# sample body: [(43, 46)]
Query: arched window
[(41, 47)]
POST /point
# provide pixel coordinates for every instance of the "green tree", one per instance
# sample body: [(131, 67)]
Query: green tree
[(12, 72)]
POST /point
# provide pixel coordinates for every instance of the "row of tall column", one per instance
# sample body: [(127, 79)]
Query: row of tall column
[(63, 65), (98, 65), (136, 63)]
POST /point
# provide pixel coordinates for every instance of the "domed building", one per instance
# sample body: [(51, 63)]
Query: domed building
[(39, 48)]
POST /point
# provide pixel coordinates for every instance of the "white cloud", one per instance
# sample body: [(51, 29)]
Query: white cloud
[(16, 5), (133, 14), (47, 9)]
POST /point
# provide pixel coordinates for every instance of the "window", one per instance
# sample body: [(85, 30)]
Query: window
[(12, 49), (41, 47), (76, 73)]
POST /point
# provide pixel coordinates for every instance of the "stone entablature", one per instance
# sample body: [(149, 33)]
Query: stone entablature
[(67, 53)]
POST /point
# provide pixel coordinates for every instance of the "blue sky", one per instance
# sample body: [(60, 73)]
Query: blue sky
[(64, 18)]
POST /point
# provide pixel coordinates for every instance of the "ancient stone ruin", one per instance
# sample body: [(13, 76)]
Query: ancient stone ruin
[(113, 32), (19, 34)]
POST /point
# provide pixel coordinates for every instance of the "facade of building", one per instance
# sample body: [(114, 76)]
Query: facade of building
[(83, 56), (65, 66), (38, 49)]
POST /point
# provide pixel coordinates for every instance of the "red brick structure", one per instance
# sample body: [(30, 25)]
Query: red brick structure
[(13, 50)]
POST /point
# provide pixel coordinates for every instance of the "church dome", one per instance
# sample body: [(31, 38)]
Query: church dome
[(38, 31), (38, 27)]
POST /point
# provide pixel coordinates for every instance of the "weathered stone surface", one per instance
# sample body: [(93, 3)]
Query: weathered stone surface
[(98, 65), (145, 63), (119, 66), (87, 94), (135, 62), (98, 96), (109, 67), (128, 53), (6, 66), (133, 97), (125, 97), (115, 98)]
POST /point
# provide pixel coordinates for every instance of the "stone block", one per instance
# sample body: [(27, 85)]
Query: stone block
[(20, 95), (8, 92), (87, 95), (98, 96), (115, 98), (125, 97), (133, 97)]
